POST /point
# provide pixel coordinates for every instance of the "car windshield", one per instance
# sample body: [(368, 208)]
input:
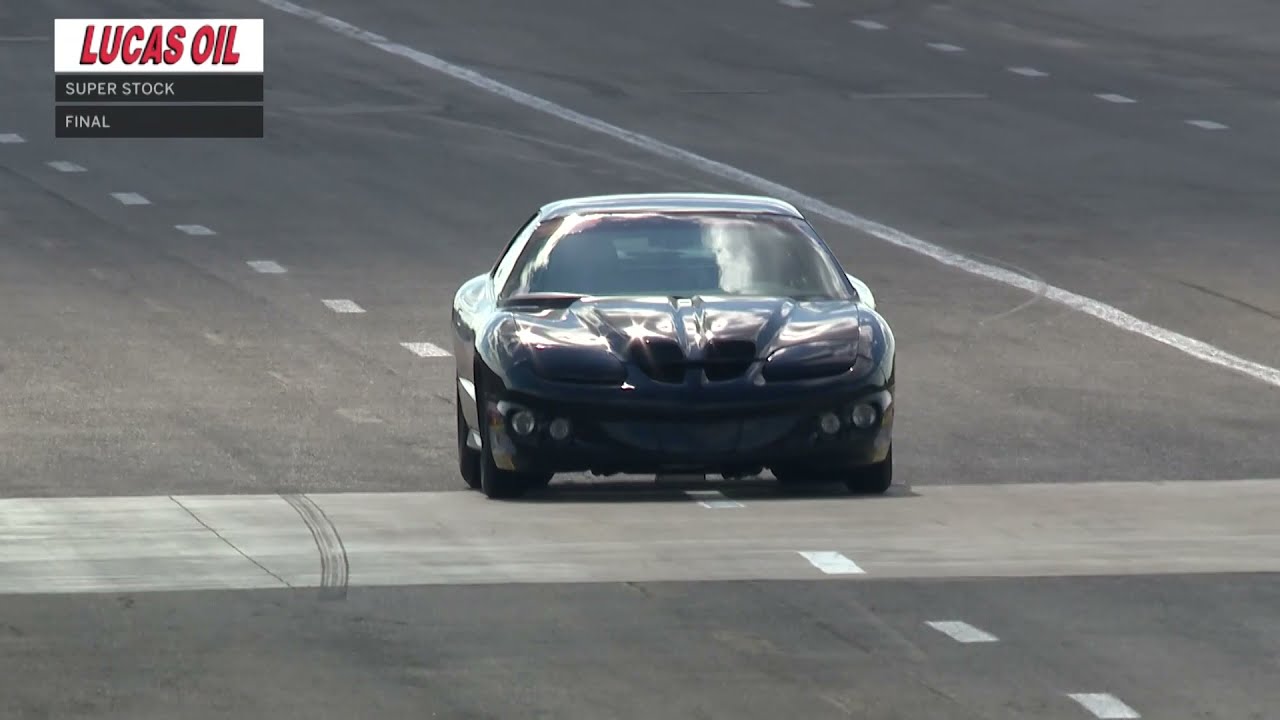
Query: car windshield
[(677, 254)]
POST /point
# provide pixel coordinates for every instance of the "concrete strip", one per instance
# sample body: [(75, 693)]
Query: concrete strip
[(79, 545), (71, 545), (265, 529)]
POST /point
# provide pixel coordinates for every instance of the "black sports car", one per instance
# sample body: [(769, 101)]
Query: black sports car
[(671, 333)]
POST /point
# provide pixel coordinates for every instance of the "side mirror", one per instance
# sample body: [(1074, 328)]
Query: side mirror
[(864, 292)]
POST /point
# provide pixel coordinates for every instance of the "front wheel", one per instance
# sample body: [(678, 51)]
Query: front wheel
[(495, 482), (875, 479)]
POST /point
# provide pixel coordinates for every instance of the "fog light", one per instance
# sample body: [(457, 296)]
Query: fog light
[(559, 429), (863, 416), (830, 423), (523, 422)]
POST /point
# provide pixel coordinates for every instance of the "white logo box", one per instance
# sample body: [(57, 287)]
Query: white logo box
[(69, 44)]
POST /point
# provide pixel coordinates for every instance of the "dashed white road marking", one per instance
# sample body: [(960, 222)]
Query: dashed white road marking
[(962, 631), (11, 138), (425, 349), (1105, 706), (130, 198), (946, 47), (270, 267), (832, 563), (1207, 124), (195, 229), (65, 166), (713, 499), (1027, 72), (359, 416), (1113, 98), (796, 3), (870, 25), (343, 306), (1111, 315)]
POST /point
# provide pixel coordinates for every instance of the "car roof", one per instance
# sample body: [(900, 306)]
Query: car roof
[(669, 202)]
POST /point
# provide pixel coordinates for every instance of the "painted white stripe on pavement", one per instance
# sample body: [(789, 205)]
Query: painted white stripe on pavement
[(870, 25), (713, 499), (832, 563), (1113, 98), (1100, 310), (946, 47), (961, 631), (195, 229), (796, 3), (270, 267), (1207, 124), (10, 138), (425, 349), (1105, 706), (65, 166), (130, 198), (343, 306), (1028, 72)]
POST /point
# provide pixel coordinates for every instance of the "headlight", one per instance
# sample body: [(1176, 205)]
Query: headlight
[(826, 358), (577, 365)]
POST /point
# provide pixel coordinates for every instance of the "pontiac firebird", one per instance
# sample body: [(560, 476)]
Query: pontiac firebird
[(671, 333)]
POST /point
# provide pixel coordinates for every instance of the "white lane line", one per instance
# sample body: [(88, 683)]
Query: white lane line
[(130, 198), (1105, 706), (343, 306), (270, 267), (713, 499), (796, 3), (10, 138), (962, 631), (1027, 72), (1207, 124), (65, 166), (870, 25), (359, 416), (425, 349), (195, 229), (946, 47), (1095, 308), (832, 563), (1113, 98)]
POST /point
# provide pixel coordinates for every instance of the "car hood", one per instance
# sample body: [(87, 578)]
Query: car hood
[(698, 327)]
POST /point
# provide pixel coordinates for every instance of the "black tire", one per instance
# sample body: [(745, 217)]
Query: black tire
[(495, 482), (866, 480), (873, 479), (468, 459)]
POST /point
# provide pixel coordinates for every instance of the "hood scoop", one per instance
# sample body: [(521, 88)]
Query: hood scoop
[(663, 359)]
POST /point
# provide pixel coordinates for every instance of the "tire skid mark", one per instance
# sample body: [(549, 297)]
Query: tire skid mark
[(335, 568)]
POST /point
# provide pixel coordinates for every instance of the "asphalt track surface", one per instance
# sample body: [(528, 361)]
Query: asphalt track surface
[(222, 498)]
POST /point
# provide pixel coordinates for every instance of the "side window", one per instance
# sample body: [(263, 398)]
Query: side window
[(511, 252)]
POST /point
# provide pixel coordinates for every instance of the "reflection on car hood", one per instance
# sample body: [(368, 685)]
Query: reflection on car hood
[(696, 325)]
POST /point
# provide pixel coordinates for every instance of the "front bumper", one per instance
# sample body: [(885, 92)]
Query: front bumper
[(682, 439)]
